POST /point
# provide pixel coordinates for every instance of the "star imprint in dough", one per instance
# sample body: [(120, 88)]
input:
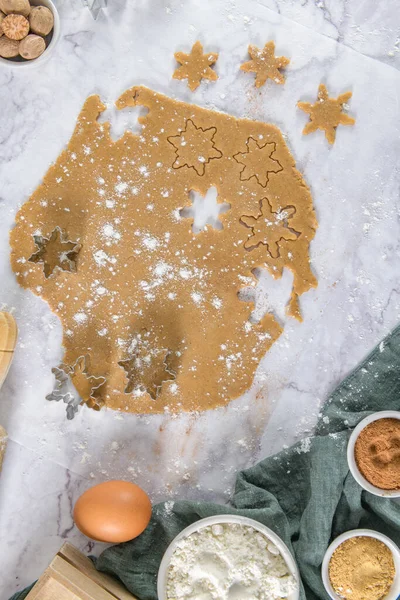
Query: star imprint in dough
[(146, 368), (195, 66), (55, 252), (269, 227), (326, 113), (265, 64), (194, 147), (258, 161)]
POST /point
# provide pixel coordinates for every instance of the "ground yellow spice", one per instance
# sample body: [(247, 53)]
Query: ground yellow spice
[(362, 568)]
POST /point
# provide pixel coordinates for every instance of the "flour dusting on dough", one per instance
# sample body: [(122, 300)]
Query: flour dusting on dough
[(139, 268)]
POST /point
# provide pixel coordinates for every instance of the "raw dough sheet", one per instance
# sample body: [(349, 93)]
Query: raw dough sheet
[(152, 313)]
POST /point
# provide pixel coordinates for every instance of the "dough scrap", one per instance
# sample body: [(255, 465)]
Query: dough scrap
[(141, 267), (265, 64), (195, 66), (326, 113)]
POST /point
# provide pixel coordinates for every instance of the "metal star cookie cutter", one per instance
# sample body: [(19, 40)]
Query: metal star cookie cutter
[(65, 388), (62, 392)]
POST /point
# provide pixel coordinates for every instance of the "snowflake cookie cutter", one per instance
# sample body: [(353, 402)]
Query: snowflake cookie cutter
[(87, 386)]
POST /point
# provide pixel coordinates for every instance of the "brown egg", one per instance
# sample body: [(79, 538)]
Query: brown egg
[(113, 511)]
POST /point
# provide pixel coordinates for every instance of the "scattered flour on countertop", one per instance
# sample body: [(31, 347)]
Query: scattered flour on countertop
[(305, 446), (228, 562)]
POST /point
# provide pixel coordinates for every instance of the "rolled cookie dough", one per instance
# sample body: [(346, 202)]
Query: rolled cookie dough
[(145, 292)]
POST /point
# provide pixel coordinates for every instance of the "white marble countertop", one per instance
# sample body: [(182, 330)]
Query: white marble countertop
[(355, 255)]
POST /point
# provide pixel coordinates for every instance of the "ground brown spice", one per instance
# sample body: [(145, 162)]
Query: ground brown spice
[(377, 453), (362, 568)]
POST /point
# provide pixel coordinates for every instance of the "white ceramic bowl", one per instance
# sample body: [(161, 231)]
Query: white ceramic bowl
[(394, 590), (217, 519), (54, 36), (385, 414)]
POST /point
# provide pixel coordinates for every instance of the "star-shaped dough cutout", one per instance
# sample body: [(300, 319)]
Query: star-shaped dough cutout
[(211, 199), (147, 368), (265, 64), (195, 66), (258, 161), (87, 385), (269, 228), (326, 113), (55, 252), (194, 147)]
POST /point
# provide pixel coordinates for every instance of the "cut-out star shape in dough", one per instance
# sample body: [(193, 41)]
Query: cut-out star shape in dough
[(265, 64), (86, 384), (55, 252), (326, 113), (194, 147), (195, 66), (269, 228), (258, 161), (147, 368), (205, 210)]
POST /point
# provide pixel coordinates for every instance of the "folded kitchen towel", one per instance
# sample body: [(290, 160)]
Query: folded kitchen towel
[(305, 494)]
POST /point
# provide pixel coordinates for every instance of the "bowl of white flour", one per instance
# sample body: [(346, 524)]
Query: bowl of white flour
[(228, 557)]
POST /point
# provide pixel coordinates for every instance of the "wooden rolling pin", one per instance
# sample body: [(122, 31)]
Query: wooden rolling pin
[(8, 339)]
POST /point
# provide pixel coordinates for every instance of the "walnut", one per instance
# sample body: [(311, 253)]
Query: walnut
[(15, 27), (41, 20), (8, 48), (2, 15), (16, 7), (32, 46)]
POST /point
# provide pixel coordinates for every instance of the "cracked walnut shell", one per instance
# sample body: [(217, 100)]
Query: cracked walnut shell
[(15, 27)]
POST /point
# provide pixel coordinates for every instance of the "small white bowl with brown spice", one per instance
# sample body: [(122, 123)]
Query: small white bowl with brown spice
[(381, 452), (362, 562), (32, 39)]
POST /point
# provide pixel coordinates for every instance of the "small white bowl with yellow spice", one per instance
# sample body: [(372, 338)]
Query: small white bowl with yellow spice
[(373, 454), (29, 32), (362, 565)]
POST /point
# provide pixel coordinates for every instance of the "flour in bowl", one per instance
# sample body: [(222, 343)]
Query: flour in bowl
[(228, 561)]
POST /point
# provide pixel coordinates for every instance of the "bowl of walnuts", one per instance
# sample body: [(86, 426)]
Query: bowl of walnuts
[(29, 31)]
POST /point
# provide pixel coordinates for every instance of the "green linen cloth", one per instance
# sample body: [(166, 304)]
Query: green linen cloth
[(305, 494)]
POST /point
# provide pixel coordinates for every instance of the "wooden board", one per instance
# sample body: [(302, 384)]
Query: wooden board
[(8, 340), (85, 565), (72, 576), (3, 444)]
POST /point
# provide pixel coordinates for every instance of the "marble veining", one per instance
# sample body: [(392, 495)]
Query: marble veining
[(346, 44)]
